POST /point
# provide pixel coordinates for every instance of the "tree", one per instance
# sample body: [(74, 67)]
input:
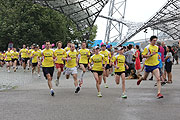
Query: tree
[(23, 22)]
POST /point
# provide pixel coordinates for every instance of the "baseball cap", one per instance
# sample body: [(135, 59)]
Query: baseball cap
[(96, 47), (120, 48), (103, 45)]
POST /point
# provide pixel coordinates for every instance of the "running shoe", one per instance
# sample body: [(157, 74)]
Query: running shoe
[(124, 96), (57, 82), (138, 82), (163, 83), (159, 96), (77, 89), (99, 95), (151, 78), (8, 71), (106, 86), (155, 84), (52, 92), (28, 68), (14, 70), (39, 75)]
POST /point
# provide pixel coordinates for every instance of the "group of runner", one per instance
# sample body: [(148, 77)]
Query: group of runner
[(100, 61)]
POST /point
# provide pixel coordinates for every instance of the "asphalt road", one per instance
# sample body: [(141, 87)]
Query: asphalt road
[(31, 100)]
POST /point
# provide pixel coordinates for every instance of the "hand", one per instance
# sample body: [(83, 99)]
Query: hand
[(153, 53), (103, 67), (90, 68), (68, 58), (86, 53), (127, 67), (117, 67)]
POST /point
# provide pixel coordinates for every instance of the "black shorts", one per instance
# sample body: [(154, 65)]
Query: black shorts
[(34, 64), (48, 70), (168, 67), (119, 73), (7, 60), (14, 60), (85, 65), (98, 72), (110, 66), (107, 66), (25, 60)]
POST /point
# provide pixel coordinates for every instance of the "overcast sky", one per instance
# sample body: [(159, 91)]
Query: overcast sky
[(136, 11)]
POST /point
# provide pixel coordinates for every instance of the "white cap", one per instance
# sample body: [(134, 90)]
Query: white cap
[(120, 48), (96, 47)]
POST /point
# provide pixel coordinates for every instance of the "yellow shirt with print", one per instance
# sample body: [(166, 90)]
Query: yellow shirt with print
[(153, 60), (15, 55), (23, 53), (83, 56), (67, 49), (120, 62), (97, 62), (59, 54), (71, 63), (48, 58), (35, 56), (1, 56), (8, 56), (39, 51), (107, 55)]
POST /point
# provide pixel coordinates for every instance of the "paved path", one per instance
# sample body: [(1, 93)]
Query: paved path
[(31, 100)]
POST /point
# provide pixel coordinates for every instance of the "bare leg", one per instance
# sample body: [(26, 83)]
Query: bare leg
[(157, 75)]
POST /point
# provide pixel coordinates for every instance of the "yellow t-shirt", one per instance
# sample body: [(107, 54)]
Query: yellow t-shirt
[(48, 58), (71, 63), (1, 56), (153, 60), (120, 62), (59, 53), (97, 62), (107, 55), (23, 53), (35, 56), (8, 56), (67, 49), (15, 55), (83, 56), (31, 50), (39, 50)]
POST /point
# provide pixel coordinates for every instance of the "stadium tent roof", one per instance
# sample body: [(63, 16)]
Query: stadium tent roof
[(82, 12), (167, 19)]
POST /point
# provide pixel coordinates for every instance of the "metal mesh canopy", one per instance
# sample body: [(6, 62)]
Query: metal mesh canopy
[(82, 12), (167, 19)]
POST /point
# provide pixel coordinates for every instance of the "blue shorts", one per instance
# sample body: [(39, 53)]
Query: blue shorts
[(150, 68)]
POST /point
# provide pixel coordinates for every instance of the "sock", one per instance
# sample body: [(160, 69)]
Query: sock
[(99, 92), (82, 74)]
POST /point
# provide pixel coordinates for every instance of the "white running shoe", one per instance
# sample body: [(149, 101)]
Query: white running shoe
[(39, 75), (8, 71)]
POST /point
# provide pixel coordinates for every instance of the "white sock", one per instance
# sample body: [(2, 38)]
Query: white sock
[(82, 74)]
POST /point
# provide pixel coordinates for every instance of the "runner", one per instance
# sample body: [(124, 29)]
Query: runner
[(15, 56), (1, 59), (71, 66), (107, 56), (48, 65), (24, 58), (39, 62), (35, 58), (119, 65), (68, 46), (83, 61), (152, 63), (28, 57), (97, 68), (8, 59), (59, 53)]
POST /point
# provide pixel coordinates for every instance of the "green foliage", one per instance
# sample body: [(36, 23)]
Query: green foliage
[(23, 22)]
